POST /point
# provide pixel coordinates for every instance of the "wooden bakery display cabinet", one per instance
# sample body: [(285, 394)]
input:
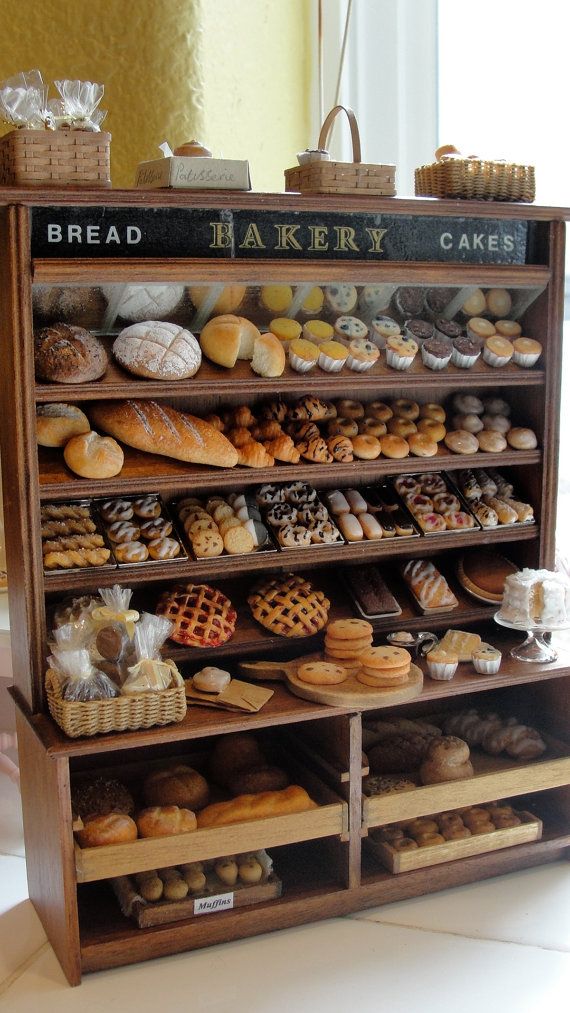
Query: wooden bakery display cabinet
[(269, 465)]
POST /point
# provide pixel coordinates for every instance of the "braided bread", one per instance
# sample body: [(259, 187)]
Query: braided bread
[(66, 542), (289, 607), (496, 735), (75, 557), (57, 511)]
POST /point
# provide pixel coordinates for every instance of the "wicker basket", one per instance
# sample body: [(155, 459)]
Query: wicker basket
[(472, 178), (342, 177), (55, 158), (123, 713)]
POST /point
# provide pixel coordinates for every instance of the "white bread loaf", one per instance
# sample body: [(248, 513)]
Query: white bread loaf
[(160, 429), (227, 338), (143, 302), (268, 356), (158, 350)]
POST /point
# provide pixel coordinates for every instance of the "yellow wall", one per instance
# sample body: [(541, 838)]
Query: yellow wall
[(232, 72)]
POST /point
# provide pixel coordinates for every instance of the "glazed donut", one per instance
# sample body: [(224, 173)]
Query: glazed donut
[(468, 404), (461, 442), (401, 427), (431, 410), (394, 446), (421, 445), (348, 409), (470, 423), (342, 426), (366, 447), (491, 442), (522, 439), (405, 409), (379, 410), (500, 423), (432, 428), (372, 426)]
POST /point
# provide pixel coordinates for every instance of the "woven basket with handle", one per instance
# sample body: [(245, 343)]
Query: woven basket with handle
[(55, 158), (342, 177), (472, 178), (122, 713)]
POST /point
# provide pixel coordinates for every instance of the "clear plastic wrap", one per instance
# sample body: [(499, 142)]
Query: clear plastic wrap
[(80, 679), (150, 673), (77, 107), (24, 103), (23, 100)]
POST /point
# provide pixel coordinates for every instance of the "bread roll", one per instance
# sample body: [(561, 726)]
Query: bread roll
[(164, 821), (268, 356), (233, 753), (178, 785), (158, 350), (159, 429), (93, 456), (227, 302), (227, 338), (255, 807), (67, 354), (57, 423), (143, 302), (111, 828)]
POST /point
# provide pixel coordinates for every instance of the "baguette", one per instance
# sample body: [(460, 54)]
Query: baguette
[(160, 429), (256, 807)]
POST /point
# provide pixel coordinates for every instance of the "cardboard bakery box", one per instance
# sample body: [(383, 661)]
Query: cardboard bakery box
[(193, 173)]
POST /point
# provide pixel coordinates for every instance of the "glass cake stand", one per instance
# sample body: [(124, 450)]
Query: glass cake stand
[(534, 648)]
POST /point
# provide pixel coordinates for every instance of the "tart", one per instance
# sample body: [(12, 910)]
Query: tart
[(483, 574)]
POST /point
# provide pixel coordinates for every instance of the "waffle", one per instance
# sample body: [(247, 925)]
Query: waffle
[(202, 615), (289, 607)]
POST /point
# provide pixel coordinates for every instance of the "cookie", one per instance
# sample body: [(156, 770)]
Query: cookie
[(207, 543), (348, 629), (322, 673), (238, 540), (386, 659)]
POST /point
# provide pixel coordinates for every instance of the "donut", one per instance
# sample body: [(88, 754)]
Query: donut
[(366, 447), (470, 423), (491, 442), (421, 445), (342, 426), (435, 430), (372, 426), (401, 427), (461, 442), (394, 446), (348, 409), (431, 410), (522, 439), (405, 409), (468, 404), (379, 410)]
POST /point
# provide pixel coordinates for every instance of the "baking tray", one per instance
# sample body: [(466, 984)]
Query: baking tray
[(438, 610), (90, 505), (352, 593), (381, 500), (182, 557), (262, 531), (452, 490), (512, 525), (273, 531)]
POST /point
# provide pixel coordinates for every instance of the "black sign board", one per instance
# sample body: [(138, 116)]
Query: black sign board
[(288, 235)]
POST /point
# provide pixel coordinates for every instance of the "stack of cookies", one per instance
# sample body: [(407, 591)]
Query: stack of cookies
[(346, 640), (384, 667)]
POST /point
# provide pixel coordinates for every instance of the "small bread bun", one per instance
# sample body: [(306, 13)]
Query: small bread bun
[(227, 302), (431, 410), (211, 680), (435, 430), (461, 442), (471, 423), (258, 779), (366, 447), (405, 409), (164, 821), (348, 409), (468, 404), (57, 423), (64, 353), (491, 441), (112, 828), (401, 427), (421, 445), (92, 456), (522, 439), (227, 338), (268, 356), (394, 446)]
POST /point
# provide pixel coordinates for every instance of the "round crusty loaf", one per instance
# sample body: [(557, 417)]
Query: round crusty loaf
[(67, 354), (227, 338), (158, 350), (178, 785), (92, 456), (57, 423), (143, 302), (165, 820), (159, 429), (70, 304), (110, 828)]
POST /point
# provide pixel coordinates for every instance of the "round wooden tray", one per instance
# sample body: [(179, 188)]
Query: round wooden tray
[(353, 693)]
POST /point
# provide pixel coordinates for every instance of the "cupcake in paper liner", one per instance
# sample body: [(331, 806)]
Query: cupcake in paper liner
[(447, 329), (487, 660), (400, 351), (497, 351), (465, 352), (285, 329), (479, 329), (419, 330), (382, 328), (526, 352), (508, 329), (332, 356), (318, 331), (441, 665), (303, 355), (362, 354), (436, 353)]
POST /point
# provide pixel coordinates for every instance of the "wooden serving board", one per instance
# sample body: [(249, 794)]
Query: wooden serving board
[(350, 693), (149, 913)]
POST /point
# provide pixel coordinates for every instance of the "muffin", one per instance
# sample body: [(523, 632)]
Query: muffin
[(400, 351), (303, 355), (437, 300), (499, 302), (526, 352), (340, 298), (409, 301), (285, 329), (508, 329), (276, 298), (475, 304), (313, 302), (382, 328), (318, 331), (497, 351), (372, 298), (436, 353), (447, 329), (332, 356), (362, 354), (479, 329), (348, 328), (418, 330), (465, 352), (441, 665), (487, 660)]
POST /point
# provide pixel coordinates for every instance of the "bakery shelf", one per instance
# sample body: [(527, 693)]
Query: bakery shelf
[(150, 473), (240, 380), (495, 777)]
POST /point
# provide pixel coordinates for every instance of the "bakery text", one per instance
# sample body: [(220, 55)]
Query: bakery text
[(339, 238), (207, 905), (478, 241), (93, 235)]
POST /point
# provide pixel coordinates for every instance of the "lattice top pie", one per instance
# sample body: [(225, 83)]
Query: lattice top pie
[(202, 615), (289, 606)]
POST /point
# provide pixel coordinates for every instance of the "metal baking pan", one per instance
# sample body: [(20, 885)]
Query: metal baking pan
[(264, 538), (182, 556), (452, 490), (89, 504)]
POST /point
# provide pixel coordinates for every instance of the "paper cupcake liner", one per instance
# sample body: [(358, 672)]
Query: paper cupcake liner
[(329, 364), (526, 361), (299, 364), (441, 671), (434, 361), (495, 360), (490, 667), (398, 361), (359, 365), (463, 361), (377, 339), (415, 337)]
